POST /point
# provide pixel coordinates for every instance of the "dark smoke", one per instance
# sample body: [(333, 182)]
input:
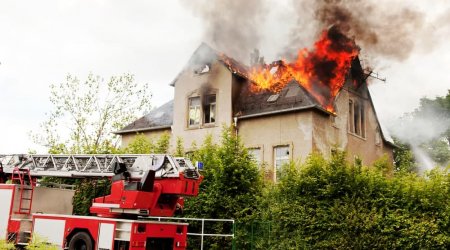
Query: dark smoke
[(231, 26), (388, 30), (383, 29)]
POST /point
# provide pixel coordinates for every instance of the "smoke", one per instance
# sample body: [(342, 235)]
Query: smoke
[(231, 26), (416, 130), (388, 30)]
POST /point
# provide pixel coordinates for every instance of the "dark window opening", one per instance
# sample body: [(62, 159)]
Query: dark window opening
[(209, 109)]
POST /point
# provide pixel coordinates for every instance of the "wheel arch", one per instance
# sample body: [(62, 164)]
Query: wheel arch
[(79, 230)]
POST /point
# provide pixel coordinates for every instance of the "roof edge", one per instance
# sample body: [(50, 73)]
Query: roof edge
[(141, 129), (285, 111)]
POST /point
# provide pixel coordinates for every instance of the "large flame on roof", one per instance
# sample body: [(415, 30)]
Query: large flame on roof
[(321, 71)]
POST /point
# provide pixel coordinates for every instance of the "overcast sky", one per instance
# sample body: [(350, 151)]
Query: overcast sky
[(42, 41)]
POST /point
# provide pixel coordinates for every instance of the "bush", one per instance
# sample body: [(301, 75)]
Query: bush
[(230, 190), (332, 204), (5, 245)]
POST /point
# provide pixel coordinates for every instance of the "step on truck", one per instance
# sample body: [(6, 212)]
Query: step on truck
[(142, 186)]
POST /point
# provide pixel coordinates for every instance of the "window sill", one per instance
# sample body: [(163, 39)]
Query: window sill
[(208, 125), (357, 136)]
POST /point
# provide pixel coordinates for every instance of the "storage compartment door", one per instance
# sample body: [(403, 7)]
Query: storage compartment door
[(106, 236), (6, 198)]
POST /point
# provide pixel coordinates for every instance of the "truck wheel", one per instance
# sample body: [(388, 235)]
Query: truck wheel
[(81, 241)]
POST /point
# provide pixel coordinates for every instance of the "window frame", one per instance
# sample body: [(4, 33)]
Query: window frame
[(258, 159), (209, 106), (357, 118), (277, 169), (197, 108)]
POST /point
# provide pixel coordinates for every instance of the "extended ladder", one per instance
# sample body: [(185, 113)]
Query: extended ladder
[(96, 165)]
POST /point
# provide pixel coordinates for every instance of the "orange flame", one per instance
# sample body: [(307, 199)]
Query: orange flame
[(321, 71)]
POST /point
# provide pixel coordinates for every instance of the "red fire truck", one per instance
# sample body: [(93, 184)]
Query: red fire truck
[(141, 186)]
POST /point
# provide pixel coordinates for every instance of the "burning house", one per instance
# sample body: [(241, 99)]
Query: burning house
[(283, 110)]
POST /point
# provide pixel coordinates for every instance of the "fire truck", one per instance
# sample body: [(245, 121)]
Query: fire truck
[(141, 186)]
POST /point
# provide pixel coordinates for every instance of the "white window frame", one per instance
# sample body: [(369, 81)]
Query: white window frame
[(284, 158), (197, 109), (258, 158)]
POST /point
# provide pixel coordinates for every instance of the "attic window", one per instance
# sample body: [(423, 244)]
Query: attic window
[(273, 98), (356, 118), (202, 69)]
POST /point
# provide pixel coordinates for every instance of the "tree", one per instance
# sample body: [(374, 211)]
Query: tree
[(86, 112), (142, 144), (231, 185), (403, 157), (438, 111)]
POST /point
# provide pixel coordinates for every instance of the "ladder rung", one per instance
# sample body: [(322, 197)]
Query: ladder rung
[(27, 199)]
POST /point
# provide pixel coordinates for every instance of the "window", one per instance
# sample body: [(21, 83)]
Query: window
[(351, 125), (281, 157), (255, 153), (194, 111), (356, 118), (378, 137), (209, 109)]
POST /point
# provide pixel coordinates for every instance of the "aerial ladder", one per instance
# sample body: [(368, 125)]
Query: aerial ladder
[(142, 185)]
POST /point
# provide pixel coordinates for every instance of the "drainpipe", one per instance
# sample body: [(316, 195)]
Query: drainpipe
[(235, 119)]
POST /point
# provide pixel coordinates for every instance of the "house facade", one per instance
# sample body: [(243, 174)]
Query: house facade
[(213, 90)]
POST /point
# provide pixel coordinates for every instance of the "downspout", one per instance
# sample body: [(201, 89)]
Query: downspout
[(235, 119)]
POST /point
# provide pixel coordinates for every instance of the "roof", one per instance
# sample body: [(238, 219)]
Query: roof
[(291, 98), (205, 54), (159, 118)]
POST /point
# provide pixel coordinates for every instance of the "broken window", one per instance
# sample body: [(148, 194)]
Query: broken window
[(202, 69), (356, 118), (194, 111), (255, 154), (209, 109), (281, 155)]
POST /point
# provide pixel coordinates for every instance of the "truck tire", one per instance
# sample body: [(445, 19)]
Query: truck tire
[(81, 241)]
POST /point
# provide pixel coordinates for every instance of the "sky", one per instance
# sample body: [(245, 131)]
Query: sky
[(42, 41)]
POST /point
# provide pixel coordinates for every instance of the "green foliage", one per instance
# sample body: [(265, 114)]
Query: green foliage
[(179, 150), (332, 204), (5, 245), (231, 186), (87, 111), (142, 144), (163, 144), (39, 243), (403, 157), (86, 190)]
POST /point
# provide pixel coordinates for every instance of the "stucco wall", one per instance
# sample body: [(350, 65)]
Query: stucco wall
[(329, 132), (189, 84), (266, 132)]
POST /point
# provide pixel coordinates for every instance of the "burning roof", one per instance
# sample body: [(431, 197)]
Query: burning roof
[(321, 71)]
